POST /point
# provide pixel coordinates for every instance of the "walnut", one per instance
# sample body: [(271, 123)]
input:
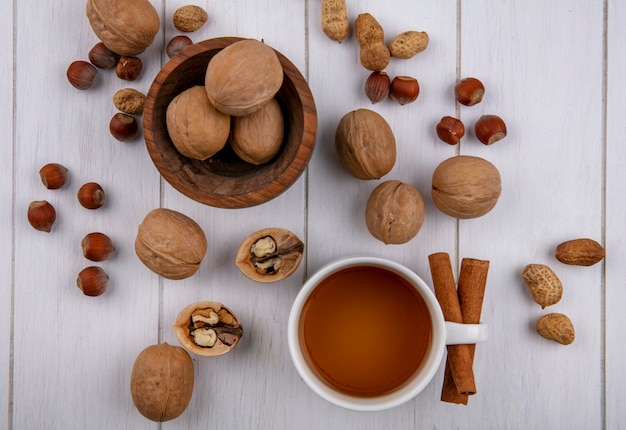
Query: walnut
[(365, 144), (257, 137), (196, 128), (465, 186), (208, 328), (269, 255), (395, 212), (170, 244)]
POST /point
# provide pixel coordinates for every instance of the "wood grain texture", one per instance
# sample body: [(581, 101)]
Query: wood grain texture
[(548, 74)]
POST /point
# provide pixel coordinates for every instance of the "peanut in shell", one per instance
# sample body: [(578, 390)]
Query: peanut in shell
[(545, 286)]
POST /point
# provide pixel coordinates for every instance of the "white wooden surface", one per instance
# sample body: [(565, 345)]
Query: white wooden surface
[(553, 71)]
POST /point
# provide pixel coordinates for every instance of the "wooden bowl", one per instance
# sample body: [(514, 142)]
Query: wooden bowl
[(225, 180)]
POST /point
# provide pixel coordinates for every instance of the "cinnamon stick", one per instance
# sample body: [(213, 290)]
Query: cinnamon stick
[(459, 356), (471, 291)]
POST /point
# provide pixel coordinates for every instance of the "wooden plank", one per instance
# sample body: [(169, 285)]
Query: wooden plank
[(74, 353), (6, 209), (615, 373), (544, 77)]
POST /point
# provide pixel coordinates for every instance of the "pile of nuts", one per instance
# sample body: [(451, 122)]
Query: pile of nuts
[(96, 246), (547, 289)]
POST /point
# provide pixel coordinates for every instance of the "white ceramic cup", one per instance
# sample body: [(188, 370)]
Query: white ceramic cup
[(443, 333)]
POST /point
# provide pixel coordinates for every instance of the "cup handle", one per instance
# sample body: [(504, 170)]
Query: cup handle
[(457, 333)]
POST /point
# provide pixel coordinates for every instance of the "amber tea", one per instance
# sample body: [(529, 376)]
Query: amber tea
[(365, 331)]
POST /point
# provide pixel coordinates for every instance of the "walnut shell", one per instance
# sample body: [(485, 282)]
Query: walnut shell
[(269, 255), (243, 76), (196, 128), (257, 137), (395, 212), (161, 382), (126, 27), (170, 244), (365, 144), (224, 324), (465, 186)]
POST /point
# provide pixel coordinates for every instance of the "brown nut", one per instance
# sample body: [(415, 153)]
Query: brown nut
[(161, 382), (170, 244), (243, 76), (129, 68), (365, 144), (269, 255), (92, 281), (404, 89), (377, 87), (90, 195), (124, 127), (129, 100), (545, 287), (102, 57), (556, 327), (335, 22), (257, 137), (41, 215), (81, 74), (53, 175), (373, 54), (408, 44), (196, 128), (189, 18), (126, 27), (469, 91), (97, 246), (395, 212), (177, 44), (450, 130), (466, 187), (489, 129), (208, 328), (580, 252)]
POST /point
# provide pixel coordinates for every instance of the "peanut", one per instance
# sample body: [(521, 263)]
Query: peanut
[(374, 54), (545, 287), (335, 19), (556, 327), (580, 252), (408, 44)]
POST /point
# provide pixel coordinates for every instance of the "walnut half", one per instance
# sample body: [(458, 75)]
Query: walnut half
[(207, 328), (269, 255)]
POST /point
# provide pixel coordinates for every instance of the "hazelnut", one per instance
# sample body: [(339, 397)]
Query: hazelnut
[(129, 100), (207, 328), (92, 281), (81, 74), (395, 212), (97, 246), (269, 255), (102, 57), (161, 382), (170, 244), (189, 18), (41, 215), (465, 186), (404, 89), (124, 127), (128, 68), (469, 91), (53, 175), (490, 129), (450, 130), (377, 87), (365, 144), (177, 44), (91, 195)]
